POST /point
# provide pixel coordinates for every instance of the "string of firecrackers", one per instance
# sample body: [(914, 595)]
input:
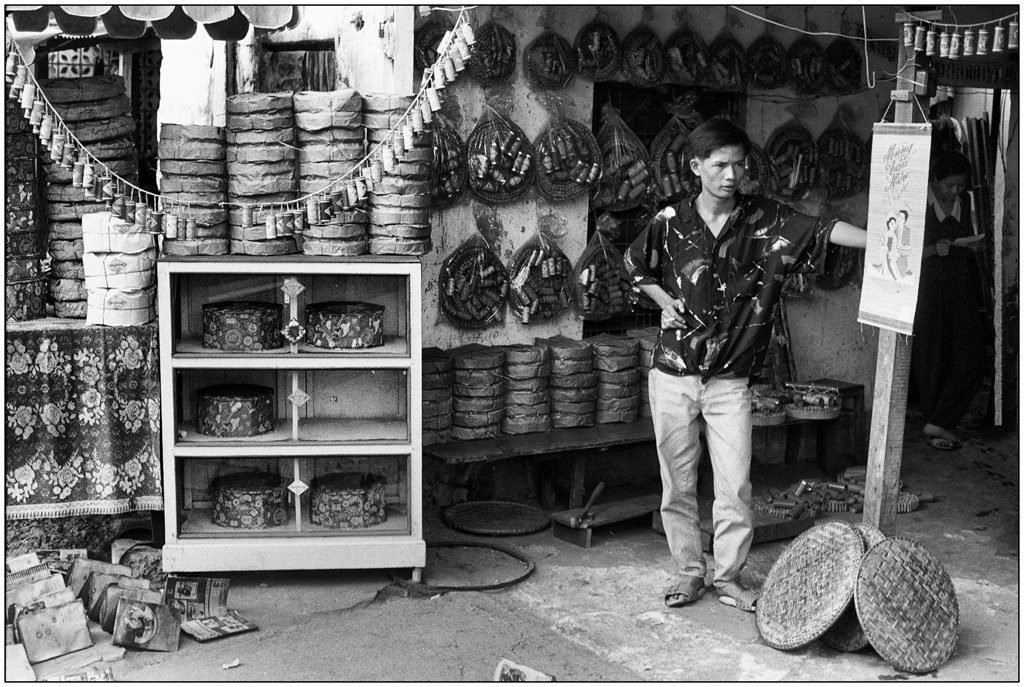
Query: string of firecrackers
[(102, 184), (954, 41)]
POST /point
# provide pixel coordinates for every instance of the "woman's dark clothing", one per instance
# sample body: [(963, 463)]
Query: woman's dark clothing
[(949, 328)]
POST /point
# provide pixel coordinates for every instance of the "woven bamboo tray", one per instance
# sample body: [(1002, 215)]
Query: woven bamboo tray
[(597, 51), (847, 634), (728, 64), (773, 420), (789, 144), (767, 64), (461, 274), (643, 58), (807, 66), (816, 413), (842, 66), (496, 131), (549, 61), (584, 143), (761, 176), (612, 178), (809, 586), (495, 518), (674, 179), (493, 55), (907, 606), (426, 40), (688, 60)]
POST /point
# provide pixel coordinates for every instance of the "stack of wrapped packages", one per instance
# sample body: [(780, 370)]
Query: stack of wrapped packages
[(647, 337), (616, 360), (478, 398), (25, 286), (573, 382), (400, 201), (193, 183), (261, 165), (438, 375), (329, 129), (527, 398), (97, 111), (120, 269)]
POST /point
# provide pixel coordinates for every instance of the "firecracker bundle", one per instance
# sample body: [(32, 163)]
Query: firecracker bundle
[(628, 179), (448, 180), (675, 179), (794, 155), (643, 57), (262, 173), (570, 160), (597, 51), (842, 66), (493, 56), (96, 110), (603, 287), (478, 395), (400, 200), (572, 383), (843, 160), (687, 56), (616, 360), (437, 381), (549, 61), (540, 277), (25, 286), (728, 63), (473, 285), (767, 62), (527, 397), (807, 68), (647, 338), (501, 159), (193, 177)]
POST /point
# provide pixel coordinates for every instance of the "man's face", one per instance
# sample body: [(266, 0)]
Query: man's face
[(721, 172)]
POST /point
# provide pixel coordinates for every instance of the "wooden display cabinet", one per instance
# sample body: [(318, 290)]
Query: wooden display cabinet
[(336, 411)]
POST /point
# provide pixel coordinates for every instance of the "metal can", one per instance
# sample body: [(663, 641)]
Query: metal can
[(944, 44), (930, 42), (270, 225), (312, 210), (920, 34), (299, 221), (182, 230), (246, 216), (170, 226), (969, 43), (983, 44), (141, 214), (998, 42), (955, 43), (190, 229)]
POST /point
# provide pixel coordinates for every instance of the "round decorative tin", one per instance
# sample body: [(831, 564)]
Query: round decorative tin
[(248, 501), (242, 326), (235, 410), (347, 500), (344, 324)]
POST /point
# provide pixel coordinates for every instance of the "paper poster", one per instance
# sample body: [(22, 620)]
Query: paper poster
[(896, 209), (197, 597)]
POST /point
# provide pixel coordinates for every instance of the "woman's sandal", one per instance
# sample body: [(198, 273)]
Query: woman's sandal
[(736, 595), (686, 590)]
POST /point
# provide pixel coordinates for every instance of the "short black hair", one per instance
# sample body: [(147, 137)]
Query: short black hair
[(950, 163), (904, 212), (713, 134)]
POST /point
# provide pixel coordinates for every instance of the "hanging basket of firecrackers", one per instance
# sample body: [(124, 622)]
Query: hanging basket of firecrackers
[(761, 176), (842, 161), (627, 180), (549, 61), (688, 60), (597, 51), (540, 285), (643, 58), (767, 63), (473, 285), (494, 54), (500, 159), (842, 66), (670, 169), (449, 177), (728, 62), (570, 160), (794, 155), (603, 286), (426, 40), (807, 66)]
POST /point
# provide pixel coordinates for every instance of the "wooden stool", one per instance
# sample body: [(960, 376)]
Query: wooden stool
[(852, 423)]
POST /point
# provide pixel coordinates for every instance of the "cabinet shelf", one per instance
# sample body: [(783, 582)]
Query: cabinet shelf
[(199, 523), (189, 353), (316, 436)]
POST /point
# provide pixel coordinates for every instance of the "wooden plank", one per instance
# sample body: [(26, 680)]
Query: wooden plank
[(999, 205), (613, 511), (921, 15)]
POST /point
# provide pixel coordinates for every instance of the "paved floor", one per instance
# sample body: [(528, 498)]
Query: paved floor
[(597, 614)]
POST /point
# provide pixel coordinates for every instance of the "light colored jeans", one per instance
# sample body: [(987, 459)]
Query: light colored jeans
[(678, 403)]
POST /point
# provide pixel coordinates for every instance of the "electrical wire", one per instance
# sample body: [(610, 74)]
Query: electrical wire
[(813, 33)]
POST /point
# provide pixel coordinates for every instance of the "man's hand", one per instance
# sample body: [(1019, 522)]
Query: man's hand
[(672, 314), (942, 247)]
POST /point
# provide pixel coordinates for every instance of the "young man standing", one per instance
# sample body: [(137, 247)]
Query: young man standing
[(715, 264)]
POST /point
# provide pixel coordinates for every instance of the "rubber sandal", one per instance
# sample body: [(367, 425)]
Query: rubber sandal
[(943, 444), (686, 590), (736, 595)]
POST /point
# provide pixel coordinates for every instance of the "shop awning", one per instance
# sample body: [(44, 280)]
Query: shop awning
[(169, 22)]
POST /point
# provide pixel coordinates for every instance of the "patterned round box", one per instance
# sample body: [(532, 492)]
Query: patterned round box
[(344, 324), (242, 326), (347, 500), (25, 300), (248, 501), (235, 410)]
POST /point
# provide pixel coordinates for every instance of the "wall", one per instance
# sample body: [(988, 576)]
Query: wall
[(192, 81)]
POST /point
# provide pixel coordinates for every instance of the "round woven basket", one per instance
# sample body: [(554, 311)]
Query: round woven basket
[(493, 54), (809, 586), (495, 518), (843, 162), (773, 420), (549, 61), (590, 153), (688, 60), (761, 176), (784, 149), (807, 66), (456, 304), (847, 634), (767, 63), (727, 64), (448, 178), (668, 144), (643, 58), (493, 130), (816, 414), (597, 51), (426, 40), (634, 151), (907, 606), (843, 66)]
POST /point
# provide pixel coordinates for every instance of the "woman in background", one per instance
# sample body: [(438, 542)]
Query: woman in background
[(949, 328)]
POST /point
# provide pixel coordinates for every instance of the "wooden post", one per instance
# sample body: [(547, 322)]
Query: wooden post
[(892, 371)]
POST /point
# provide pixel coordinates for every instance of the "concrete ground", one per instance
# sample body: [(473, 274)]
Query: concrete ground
[(597, 614)]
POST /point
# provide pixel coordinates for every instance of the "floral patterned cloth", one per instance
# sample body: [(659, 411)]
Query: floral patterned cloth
[(83, 419)]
